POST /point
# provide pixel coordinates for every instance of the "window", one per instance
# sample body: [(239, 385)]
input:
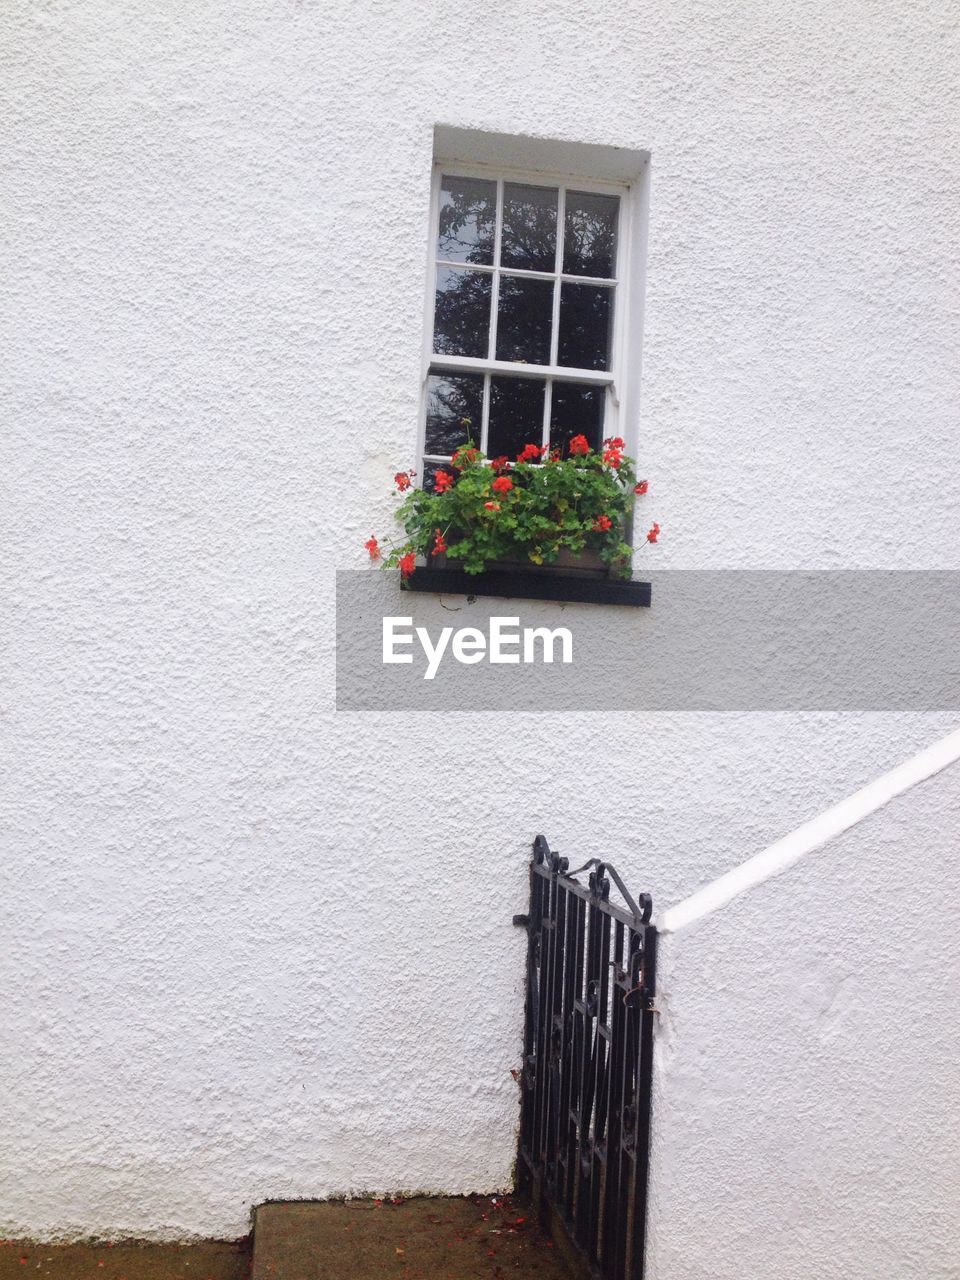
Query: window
[(528, 305)]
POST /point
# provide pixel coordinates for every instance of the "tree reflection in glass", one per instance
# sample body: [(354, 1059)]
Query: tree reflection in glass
[(516, 415), (590, 234), (524, 318), (454, 411), (585, 314), (528, 239), (462, 313), (468, 210)]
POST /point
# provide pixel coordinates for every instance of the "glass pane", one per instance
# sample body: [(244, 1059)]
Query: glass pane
[(576, 409), (590, 234), (529, 236), (516, 415), (585, 314), (454, 411), (428, 476), (468, 210), (461, 324), (523, 320)]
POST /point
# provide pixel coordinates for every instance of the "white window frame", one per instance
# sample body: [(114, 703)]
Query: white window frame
[(612, 379)]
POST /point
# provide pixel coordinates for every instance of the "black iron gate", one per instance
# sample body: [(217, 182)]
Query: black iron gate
[(587, 1061)]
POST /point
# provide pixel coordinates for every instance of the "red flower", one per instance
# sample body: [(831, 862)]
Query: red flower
[(602, 524), (613, 452), (531, 453), (464, 456), (442, 481), (502, 484), (373, 547), (654, 533), (578, 445), (403, 480), (641, 488), (438, 544), (407, 564), (501, 463), (492, 506)]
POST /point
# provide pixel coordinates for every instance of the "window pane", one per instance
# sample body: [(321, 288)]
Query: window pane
[(585, 314), (529, 236), (461, 325), (516, 415), (468, 209), (576, 409), (523, 320), (590, 234), (454, 411)]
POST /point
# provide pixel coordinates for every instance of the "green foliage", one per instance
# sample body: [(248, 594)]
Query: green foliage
[(526, 509)]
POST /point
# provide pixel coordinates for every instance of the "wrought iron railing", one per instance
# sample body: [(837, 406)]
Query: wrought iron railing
[(587, 1061)]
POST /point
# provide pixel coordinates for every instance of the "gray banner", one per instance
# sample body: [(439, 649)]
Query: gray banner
[(740, 640)]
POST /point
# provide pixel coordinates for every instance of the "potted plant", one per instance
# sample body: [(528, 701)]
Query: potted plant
[(545, 508)]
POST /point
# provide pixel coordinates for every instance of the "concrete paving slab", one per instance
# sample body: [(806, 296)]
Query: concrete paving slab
[(423, 1238)]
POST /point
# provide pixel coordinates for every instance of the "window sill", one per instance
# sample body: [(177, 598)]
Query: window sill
[(529, 584)]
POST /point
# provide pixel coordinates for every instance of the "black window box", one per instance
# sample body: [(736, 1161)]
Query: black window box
[(528, 584)]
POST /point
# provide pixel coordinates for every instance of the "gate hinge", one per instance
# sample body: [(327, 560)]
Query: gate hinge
[(522, 922)]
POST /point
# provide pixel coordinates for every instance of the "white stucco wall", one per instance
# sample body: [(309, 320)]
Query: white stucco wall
[(255, 948), (808, 1090)]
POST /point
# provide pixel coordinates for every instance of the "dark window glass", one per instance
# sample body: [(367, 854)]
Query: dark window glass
[(576, 409), (468, 208), (585, 314), (516, 415), (429, 477), (529, 233), (461, 324), (454, 411), (523, 320), (590, 234)]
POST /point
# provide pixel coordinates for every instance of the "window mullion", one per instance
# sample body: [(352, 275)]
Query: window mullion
[(495, 291), (485, 414), (558, 268)]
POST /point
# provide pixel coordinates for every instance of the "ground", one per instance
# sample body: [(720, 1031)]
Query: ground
[(207, 1261), (441, 1238)]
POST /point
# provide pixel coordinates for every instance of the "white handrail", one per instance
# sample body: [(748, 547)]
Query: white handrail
[(811, 835)]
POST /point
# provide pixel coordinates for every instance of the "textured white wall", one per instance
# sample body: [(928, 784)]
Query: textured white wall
[(808, 1089), (254, 948)]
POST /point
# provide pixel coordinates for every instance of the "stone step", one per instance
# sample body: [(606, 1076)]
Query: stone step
[(423, 1238)]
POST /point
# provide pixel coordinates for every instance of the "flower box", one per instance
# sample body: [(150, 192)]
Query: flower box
[(547, 526)]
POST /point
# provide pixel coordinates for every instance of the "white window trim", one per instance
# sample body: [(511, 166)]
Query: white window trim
[(626, 312)]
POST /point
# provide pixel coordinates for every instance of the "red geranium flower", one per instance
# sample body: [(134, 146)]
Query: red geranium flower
[(641, 488), (602, 524), (373, 547), (492, 506), (530, 453), (407, 564), (654, 533), (613, 452), (579, 444), (442, 481), (501, 463), (403, 480), (502, 484), (464, 456), (438, 544)]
